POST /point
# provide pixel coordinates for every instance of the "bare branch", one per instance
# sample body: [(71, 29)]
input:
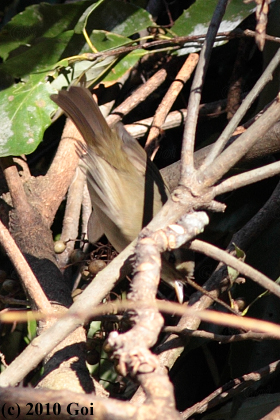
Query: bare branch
[(45, 343), (19, 199), (247, 178), (212, 173), (223, 339), (231, 389), (161, 113), (72, 216), (187, 164), (176, 118), (231, 126), (241, 267), (29, 281), (138, 96), (273, 415)]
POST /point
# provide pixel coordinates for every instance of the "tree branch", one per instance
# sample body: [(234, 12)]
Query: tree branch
[(252, 95), (29, 281), (211, 174), (247, 178), (241, 267), (187, 164)]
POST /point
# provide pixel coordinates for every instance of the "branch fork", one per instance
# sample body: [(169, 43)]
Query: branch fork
[(131, 357)]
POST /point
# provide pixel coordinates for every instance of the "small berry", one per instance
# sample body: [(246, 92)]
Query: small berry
[(10, 285), (95, 266), (59, 247)]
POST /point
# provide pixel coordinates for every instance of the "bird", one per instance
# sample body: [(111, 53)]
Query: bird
[(125, 186)]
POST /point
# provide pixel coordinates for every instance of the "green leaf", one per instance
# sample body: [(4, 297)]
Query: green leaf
[(124, 65), (95, 326), (32, 60), (42, 20), (115, 16), (94, 70), (26, 107), (105, 41), (25, 111), (261, 295), (239, 253), (232, 273), (82, 23), (31, 329), (196, 19)]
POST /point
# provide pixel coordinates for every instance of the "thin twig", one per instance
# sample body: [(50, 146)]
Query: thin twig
[(13, 301), (15, 184), (241, 267), (176, 118), (216, 284), (45, 343), (175, 43), (212, 173), (247, 178), (187, 160), (231, 126), (167, 102), (252, 34), (29, 281), (259, 223), (71, 218), (224, 339), (231, 389), (86, 211), (138, 96), (83, 309)]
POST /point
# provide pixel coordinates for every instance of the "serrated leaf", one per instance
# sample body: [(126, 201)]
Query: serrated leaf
[(25, 111)]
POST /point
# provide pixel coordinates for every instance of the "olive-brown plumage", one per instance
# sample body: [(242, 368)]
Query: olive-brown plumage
[(125, 187)]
